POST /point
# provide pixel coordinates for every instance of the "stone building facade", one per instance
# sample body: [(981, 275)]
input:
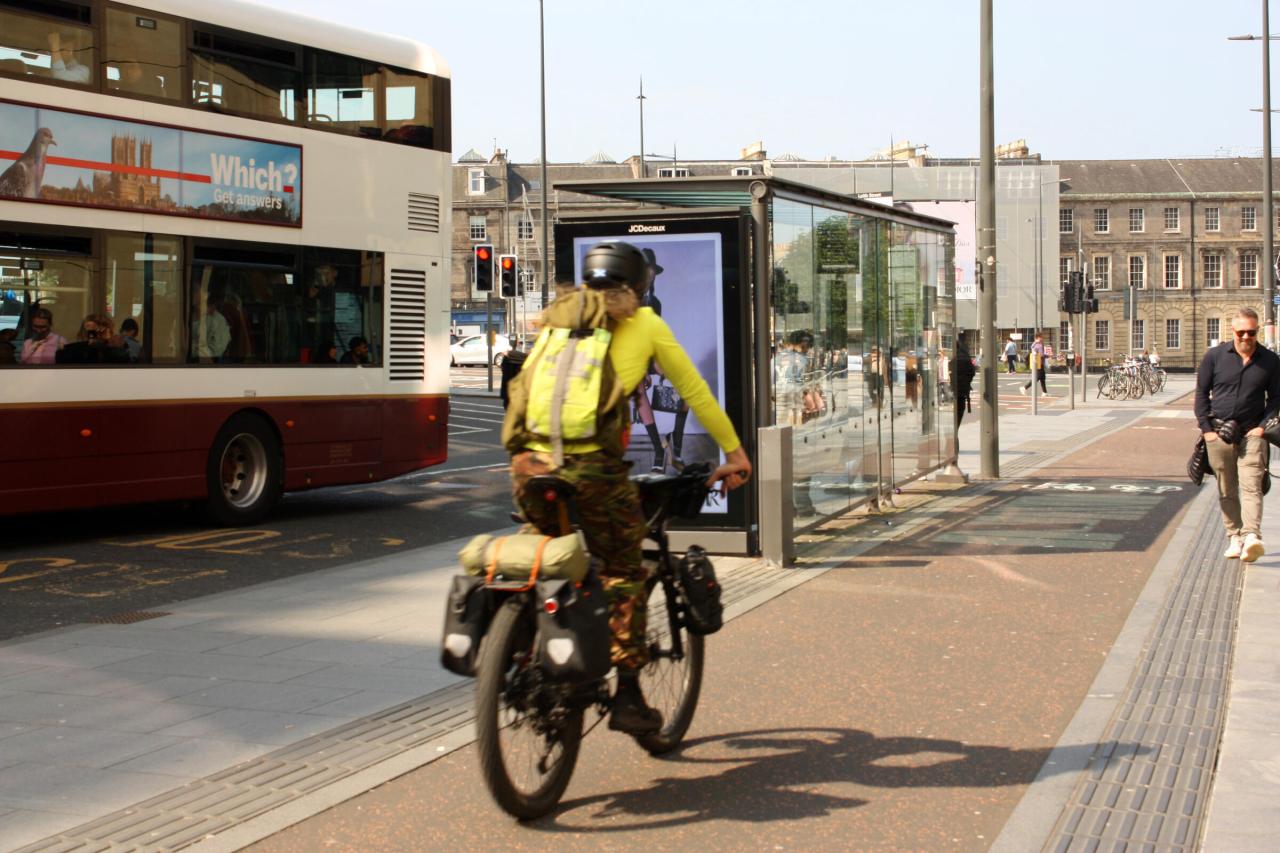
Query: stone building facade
[(1180, 241)]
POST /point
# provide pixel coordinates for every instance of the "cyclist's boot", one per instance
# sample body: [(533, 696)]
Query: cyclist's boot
[(630, 713)]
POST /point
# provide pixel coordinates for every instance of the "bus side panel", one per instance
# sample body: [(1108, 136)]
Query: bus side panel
[(414, 434)]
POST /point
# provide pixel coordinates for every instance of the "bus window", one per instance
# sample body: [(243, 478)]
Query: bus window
[(342, 301), (143, 54), (244, 307), (410, 108), (342, 94), (244, 76), (49, 39), (143, 275)]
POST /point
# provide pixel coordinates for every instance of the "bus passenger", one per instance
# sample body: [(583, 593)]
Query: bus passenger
[(42, 346), (210, 333), (64, 62), (357, 352), (8, 355), (328, 356), (96, 343), (129, 336)]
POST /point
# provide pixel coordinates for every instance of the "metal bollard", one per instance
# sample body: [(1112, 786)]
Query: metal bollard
[(774, 487)]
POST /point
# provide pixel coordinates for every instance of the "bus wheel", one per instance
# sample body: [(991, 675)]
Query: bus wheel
[(244, 472)]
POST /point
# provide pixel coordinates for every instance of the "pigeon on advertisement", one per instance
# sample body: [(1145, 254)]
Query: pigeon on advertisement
[(24, 178)]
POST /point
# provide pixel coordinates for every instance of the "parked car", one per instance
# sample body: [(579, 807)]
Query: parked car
[(474, 350)]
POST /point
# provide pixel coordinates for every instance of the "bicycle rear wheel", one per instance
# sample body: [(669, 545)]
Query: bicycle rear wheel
[(528, 740), (670, 684)]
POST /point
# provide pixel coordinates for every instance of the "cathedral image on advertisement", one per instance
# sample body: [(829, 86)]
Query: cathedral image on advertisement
[(127, 188)]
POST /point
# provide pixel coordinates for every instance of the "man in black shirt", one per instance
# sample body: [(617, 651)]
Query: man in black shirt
[(1237, 390)]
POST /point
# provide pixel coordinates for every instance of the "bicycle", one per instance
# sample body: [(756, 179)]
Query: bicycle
[(515, 699)]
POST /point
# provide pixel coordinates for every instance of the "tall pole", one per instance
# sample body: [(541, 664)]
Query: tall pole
[(542, 75), (1268, 244), (990, 444), (644, 170)]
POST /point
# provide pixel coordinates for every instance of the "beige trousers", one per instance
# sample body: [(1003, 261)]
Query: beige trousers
[(1238, 469)]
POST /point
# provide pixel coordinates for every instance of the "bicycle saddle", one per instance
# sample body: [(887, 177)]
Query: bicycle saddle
[(544, 483)]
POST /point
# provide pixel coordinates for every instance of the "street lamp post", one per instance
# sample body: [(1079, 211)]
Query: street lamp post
[(990, 426), (1268, 212), (542, 76), (644, 171)]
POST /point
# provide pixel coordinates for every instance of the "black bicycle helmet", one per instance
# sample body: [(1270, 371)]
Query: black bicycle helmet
[(614, 264)]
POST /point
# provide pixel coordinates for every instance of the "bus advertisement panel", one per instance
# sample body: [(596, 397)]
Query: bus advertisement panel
[(87, 160)]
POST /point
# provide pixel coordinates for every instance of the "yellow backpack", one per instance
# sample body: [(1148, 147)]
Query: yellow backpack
[(567, 397)]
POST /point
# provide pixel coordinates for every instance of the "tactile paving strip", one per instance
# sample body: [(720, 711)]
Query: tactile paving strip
[(186, 815), (1147, 784)]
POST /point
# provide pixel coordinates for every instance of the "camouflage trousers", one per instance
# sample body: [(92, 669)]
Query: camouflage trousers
[(608, 505)]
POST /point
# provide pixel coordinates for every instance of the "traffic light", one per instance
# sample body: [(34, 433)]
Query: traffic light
[(1090, 301), (483, 257), (507, 275)]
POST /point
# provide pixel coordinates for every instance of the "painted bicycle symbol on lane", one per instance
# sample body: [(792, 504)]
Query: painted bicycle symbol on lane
[(1126, 488)]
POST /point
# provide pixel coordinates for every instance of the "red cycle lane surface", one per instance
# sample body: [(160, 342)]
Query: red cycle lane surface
[(904, 700)]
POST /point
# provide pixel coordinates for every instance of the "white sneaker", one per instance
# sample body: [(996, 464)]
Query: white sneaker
[(1022, 389), (1252, 548), (1233, 548)]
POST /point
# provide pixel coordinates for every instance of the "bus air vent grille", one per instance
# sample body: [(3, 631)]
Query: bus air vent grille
[(424, 213), (407, 338)]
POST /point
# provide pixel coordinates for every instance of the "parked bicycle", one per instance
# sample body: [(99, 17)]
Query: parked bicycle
[(1130, 379), (530, 724)]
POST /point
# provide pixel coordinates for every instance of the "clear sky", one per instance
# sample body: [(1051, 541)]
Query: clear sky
[(1086, 80)]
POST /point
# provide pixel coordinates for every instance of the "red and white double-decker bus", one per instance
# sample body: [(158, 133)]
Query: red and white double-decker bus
[(224, 237)]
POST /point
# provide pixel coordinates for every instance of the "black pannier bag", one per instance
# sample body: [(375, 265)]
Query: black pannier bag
[(701, 591), (573, 629), (468, 610)]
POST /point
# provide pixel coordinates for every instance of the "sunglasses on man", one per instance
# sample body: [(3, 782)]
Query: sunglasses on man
[(1246, 333)]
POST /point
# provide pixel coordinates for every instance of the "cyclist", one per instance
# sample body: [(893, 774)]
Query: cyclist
[(608, 502)]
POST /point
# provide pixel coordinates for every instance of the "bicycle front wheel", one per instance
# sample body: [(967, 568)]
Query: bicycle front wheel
[(528, 741), (671, 682)]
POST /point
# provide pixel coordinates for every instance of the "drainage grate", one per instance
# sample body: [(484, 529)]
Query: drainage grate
[(129, 617), (1147, 784)]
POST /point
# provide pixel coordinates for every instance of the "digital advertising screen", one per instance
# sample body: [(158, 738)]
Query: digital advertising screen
[(694, 269)]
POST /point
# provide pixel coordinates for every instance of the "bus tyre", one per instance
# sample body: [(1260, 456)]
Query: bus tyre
[(245, 472)]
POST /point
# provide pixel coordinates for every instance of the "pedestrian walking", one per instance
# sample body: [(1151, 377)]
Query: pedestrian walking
[(963, 373), (1037, 366), (1238, 390), (1011, 355)]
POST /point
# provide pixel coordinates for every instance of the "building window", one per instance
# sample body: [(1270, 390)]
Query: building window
[(1138, 334), (1212, 329), (1102, 335), (524, 228), (1212, 222), (479, 230), (475, 181), (1064, 270), (1248, 219), (1066, 221), (1101, 221), (1137, 220), (1102, 272), (1173, 334), (1211, 263), (741, 171), (1248, 269), (677, 172), (1137, 271), (1171, 219), (1172, 272), (528, 281), (1064, 335)]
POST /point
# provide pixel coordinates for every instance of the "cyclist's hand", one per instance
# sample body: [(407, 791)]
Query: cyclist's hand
[(735, 472), (1211, 436)]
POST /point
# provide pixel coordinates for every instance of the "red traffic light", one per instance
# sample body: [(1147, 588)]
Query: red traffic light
[(508, 262), (482, 253)]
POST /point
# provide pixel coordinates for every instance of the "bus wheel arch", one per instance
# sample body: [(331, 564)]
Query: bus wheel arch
[(245, 470)]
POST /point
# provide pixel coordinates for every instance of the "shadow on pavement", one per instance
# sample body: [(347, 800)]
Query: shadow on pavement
[(773, 774)]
